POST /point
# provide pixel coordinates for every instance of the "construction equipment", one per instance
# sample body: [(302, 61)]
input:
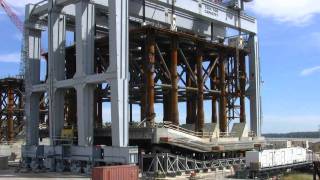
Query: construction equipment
[(19, 24)]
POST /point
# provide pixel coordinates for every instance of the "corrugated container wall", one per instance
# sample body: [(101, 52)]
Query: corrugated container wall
[(276, 157), (126, 172)]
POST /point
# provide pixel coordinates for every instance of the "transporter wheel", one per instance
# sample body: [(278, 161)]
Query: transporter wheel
[(50, 164), (87, 168), (25, 163), (60, 166), (35, 165), (75, 167)]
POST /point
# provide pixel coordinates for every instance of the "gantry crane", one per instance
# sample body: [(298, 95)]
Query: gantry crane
[(19, 24)]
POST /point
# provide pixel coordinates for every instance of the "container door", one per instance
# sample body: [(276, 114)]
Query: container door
[(283, 157)]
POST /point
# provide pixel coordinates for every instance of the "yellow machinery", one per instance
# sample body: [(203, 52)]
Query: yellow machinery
[(67, 133)]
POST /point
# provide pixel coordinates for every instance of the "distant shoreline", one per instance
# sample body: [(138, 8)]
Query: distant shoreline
[(293, 135)]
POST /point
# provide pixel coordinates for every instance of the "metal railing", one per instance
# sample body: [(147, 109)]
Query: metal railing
[(169, 125), (209, 134)]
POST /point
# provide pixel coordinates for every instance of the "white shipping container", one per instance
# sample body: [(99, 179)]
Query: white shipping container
[(276, 157)]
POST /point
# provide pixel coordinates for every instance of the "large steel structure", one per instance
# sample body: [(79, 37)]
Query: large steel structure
[(153, 51), (11, 108)]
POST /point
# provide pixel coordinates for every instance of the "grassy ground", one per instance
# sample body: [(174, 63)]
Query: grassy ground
[(298, 176)]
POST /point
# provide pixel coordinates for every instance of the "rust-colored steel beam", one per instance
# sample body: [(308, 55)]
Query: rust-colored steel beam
[(174, 82), (200, 110), (242, 69), (143, 94), (150, 61), (10, 125), (223, 99), (213, 82)]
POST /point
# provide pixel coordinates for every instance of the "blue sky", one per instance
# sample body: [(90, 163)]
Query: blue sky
[(289, 32)]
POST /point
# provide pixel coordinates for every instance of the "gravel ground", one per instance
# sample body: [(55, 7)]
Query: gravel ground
[(10, 174)]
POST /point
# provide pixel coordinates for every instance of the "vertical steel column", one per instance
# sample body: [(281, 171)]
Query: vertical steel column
[(85, 23), (254, 90), (223, 99), (56, 67), (200, 112), (213, 82), (119, 61), (150, 60), (174, 82), (10, 111), (32, 76), (242, 68)]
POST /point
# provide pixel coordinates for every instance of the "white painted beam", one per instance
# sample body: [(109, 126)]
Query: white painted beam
[(119, 62), (32, 44), (254, 88), (85, 24)]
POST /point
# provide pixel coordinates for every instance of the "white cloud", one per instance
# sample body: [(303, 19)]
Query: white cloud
[(297, 12), (10, 58), (310, 71)]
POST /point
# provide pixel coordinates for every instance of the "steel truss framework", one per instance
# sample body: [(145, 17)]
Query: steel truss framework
[(158, 165)]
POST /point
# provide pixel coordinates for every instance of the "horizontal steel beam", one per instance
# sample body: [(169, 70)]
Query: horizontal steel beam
[(191, 15), (206, 12)]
